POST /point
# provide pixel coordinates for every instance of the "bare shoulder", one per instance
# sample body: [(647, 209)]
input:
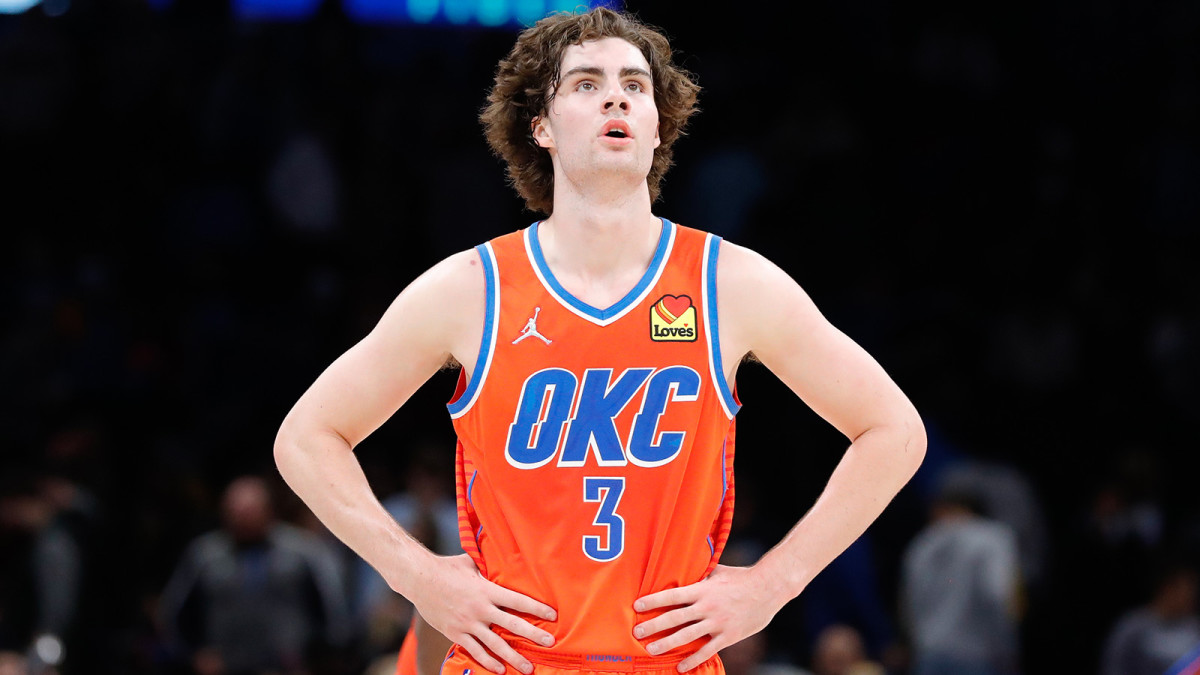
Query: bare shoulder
[(442, 308), (743, 269), (764, 311), (430, 322), (460, 274), (757, 299)]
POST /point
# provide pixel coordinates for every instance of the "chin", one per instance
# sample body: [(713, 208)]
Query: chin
[(635, 167)]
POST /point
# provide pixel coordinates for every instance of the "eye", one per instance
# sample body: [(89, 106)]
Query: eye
[(585, 86), (635, 86)]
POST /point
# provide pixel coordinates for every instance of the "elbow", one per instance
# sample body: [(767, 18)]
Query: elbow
[(915, 443), (301, 448), (285, 450)]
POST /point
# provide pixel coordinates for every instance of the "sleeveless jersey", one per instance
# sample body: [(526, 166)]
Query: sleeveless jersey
[(595, 446)]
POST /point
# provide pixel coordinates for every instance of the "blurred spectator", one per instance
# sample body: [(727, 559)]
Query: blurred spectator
[(1147, 640), (847, 593), (256, 595), (959, 592), (41, 564), (1127, 509), (750, 657), (1007, 495), (426, 509), (1108, 556), (839, 650)]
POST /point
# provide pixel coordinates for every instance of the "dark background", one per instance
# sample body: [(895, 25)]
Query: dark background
[(999, 200)]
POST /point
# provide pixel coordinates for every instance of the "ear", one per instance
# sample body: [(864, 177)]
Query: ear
[(657, 139), (540, 133)]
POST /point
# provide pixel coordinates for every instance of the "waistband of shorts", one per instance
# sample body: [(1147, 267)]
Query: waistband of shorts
[(613, 663)]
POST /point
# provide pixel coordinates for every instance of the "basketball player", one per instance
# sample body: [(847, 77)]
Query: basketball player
[(598, 350)]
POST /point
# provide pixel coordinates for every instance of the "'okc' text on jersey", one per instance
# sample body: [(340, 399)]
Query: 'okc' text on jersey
[(586, 414)]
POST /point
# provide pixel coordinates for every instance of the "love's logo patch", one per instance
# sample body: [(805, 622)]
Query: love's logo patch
[(673, 319)]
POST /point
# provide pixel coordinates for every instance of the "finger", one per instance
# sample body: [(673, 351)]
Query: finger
[(523, 603), (683, 595), (680, 637), (518, 626), (671, 619), (481, 655), (703, 654), (503, 650)]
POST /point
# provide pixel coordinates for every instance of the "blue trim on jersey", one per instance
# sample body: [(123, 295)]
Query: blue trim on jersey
[(724, 470), (471, 486), (724, 488), (489, 319), (714, 247), (619, 306)]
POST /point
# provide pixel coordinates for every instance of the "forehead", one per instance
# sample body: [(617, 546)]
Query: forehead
[(610, 53)]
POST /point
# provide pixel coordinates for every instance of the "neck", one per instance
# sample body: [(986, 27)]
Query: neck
[(609, 197), (598, 237)]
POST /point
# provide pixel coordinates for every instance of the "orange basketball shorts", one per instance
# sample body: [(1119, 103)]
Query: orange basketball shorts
[(459, 662)]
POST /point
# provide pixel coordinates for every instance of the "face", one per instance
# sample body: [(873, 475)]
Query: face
[(247, 510), (602, 117)]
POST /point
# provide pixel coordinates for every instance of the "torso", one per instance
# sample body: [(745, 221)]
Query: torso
[(595, 445)]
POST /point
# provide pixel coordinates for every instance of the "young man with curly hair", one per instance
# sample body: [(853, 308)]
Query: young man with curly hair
[(595, 403)]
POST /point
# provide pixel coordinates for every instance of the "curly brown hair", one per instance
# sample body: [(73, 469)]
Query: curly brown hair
[(528, 76)]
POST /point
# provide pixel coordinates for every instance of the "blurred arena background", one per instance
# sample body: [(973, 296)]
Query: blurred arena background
[(203, 203)]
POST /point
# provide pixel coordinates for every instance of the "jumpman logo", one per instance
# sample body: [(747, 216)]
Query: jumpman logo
[(530, 329)]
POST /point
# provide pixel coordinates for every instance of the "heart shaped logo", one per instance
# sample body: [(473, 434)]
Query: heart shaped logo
[(673, 319), (671, 307)]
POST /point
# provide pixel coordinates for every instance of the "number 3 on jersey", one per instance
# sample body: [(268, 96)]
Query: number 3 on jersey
[(607, 491)]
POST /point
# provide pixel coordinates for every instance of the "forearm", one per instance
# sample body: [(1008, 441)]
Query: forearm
[(734, 602), (323, 471), (874, 469)]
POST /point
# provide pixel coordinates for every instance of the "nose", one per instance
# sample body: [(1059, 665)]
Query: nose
[(616, 98)]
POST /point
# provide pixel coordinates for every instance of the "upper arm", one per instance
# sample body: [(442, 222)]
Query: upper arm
[(765, 312), (439, 316)]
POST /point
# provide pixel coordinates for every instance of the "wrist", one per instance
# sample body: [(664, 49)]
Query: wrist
[(783, 577), (407, 566)]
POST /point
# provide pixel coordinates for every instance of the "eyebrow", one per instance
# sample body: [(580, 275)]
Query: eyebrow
[(594, 71)]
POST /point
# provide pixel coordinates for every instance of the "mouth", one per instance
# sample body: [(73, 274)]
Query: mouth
[(616, 129)]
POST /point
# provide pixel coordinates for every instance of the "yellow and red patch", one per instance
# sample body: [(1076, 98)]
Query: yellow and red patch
[(673, 319)]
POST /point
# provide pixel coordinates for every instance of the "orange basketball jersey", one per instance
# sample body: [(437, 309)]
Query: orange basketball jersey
[(595, 446)]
